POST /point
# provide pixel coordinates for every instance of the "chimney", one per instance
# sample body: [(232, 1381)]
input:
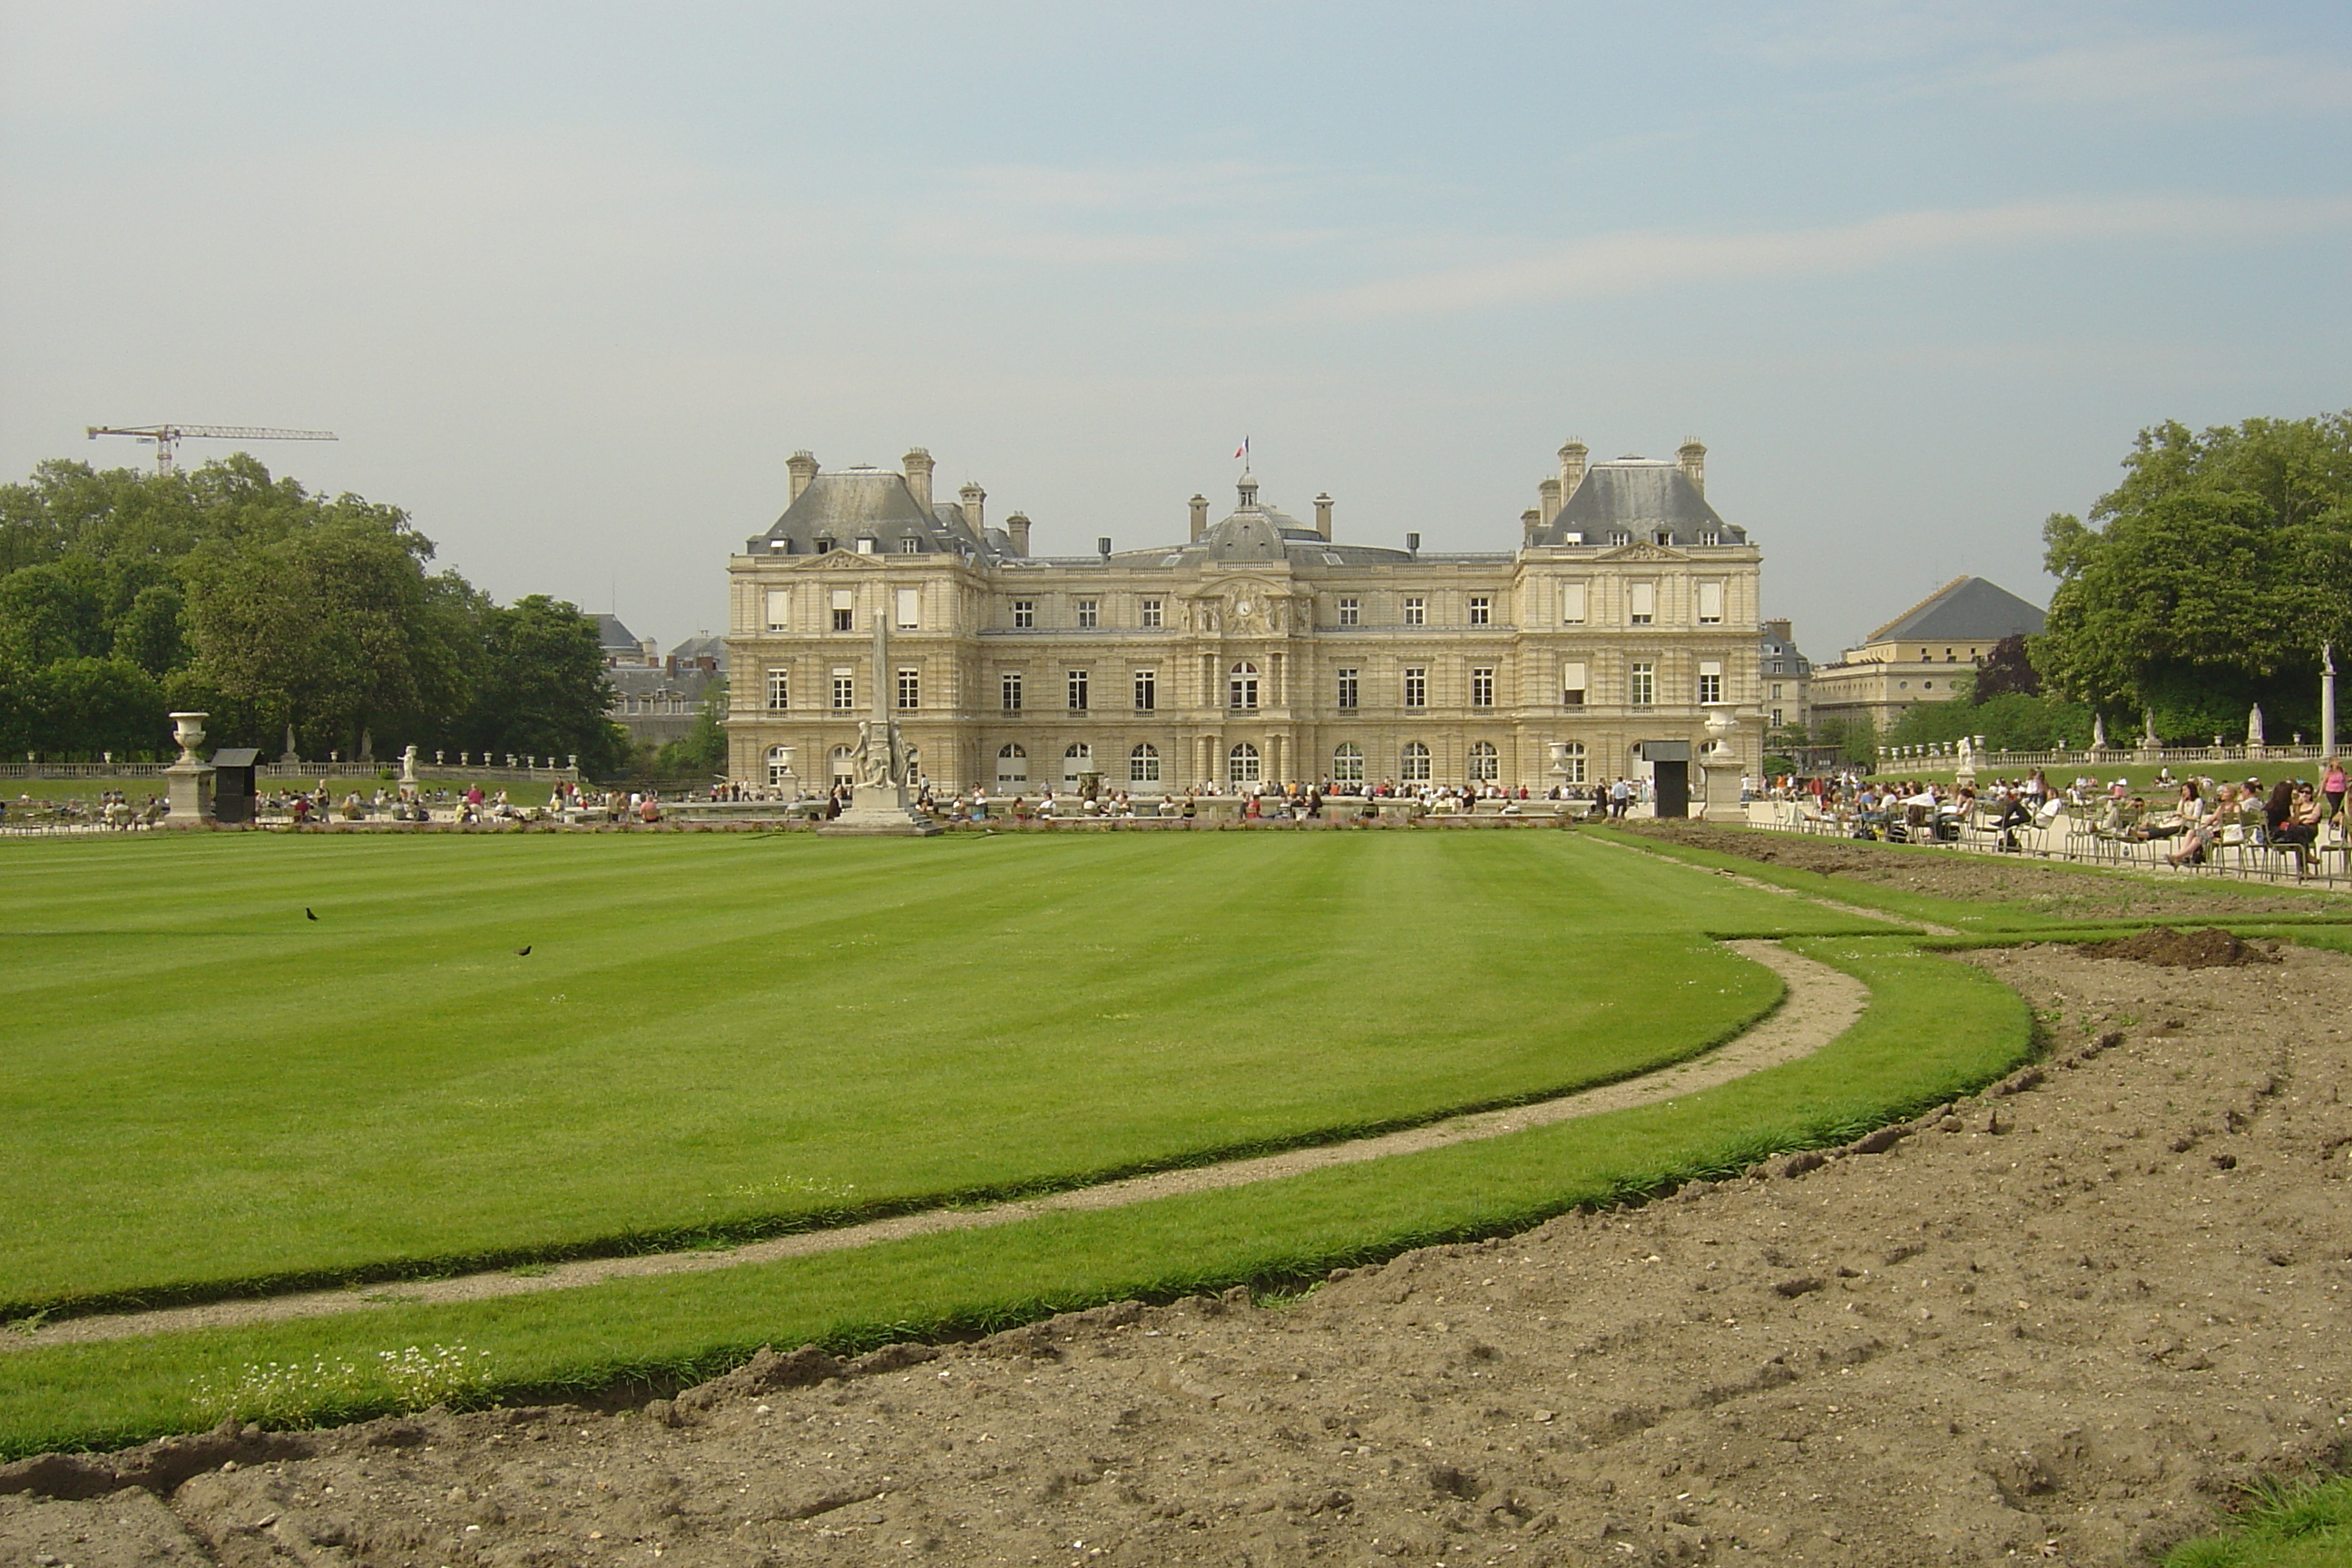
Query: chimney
[(1530, 520), (1102, 548), (975, 508), (918, 465), (1413, 544), (803, 469), (1572, 469), (1016, 528), (1692, 458), (1548, 499), (1200, 504), (1323, 515)]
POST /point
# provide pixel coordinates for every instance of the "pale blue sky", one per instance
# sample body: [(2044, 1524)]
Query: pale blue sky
[(572, 281)]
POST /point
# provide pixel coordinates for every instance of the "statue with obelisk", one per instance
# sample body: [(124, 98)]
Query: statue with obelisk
[(880, 804)]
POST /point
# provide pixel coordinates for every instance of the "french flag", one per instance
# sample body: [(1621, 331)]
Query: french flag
[(1242, 451)]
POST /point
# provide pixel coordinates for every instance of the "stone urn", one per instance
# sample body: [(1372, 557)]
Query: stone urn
[(188, 730)]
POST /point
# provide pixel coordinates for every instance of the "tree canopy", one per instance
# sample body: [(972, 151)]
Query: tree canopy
[(124, 594), (2209, 579)]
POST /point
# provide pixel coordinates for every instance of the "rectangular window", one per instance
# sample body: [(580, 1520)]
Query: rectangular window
[(1776, 718), (1416, 688), (1642, 603), (1642, 685), (910, 545), (1351, 612), (1416, 612), (910, 689), (844, 613), (1573, 681), (1089, 614), (1482, 610), (1572, 603), (1346, 689), (910, 602), (1710, 603), (1482, 688), (780, 689), (1710, 681), (1077, 683), (1710, 537), (1147, 691), (1009, 683), (1025, 612), (779, 609), (845, 691), (1151, 612)]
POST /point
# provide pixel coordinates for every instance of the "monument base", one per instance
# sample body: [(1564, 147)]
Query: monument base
[(880, 811), (1719, 795), (189, 788)]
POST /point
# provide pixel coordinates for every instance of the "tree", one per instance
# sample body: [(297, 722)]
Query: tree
[(88, 706), (704, 748), (2208, 580), (544, 691), (2006, 668)]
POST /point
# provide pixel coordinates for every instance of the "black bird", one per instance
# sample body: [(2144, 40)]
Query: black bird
[(523, 952), (307, 914)]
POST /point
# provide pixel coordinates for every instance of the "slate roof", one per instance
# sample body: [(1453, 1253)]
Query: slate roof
[(1639, 496), (702, 646), (1965, 608), (1254, 531), (845, 505), (614, 638)]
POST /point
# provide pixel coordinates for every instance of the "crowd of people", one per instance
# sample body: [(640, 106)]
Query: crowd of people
[(2189, 818)]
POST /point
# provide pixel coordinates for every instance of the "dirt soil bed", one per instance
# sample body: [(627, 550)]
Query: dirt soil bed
[(2047, 887), (2057, 1323)]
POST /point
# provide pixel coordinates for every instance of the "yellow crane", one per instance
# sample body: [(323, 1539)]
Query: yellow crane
[(167, 437)]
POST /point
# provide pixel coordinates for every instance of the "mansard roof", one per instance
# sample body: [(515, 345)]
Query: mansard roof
[(1965, 608), (845, 505), (1641, 496), (1254, 532)]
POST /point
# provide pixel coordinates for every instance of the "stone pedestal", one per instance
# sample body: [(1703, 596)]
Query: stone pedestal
[(189, 788), (1719, 793), (880, 811)]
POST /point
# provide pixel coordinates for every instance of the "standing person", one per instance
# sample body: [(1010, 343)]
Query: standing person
[(2331, 784)]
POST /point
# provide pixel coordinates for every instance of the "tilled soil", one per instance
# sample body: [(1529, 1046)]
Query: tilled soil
[(2057, 1323), (1949, 872)]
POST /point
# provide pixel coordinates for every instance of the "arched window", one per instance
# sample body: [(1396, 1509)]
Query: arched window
[(1078, 759), (1570, 764), (1415, 767), (1240, 764), (1486, 766), (1241, 689), (1348, 763), (780, 764), (1143, 765), (1012, 765), (843, 766)]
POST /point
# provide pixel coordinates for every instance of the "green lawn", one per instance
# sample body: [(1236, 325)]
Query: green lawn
[(727, 1035)]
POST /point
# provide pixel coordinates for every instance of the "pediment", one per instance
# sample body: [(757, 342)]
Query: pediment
[(840, 559), (1643, 550)]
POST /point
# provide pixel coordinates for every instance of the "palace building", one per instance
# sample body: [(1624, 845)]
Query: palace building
[(1255, 650)]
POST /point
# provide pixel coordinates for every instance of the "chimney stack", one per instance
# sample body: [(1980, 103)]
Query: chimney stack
[(1323, 516), (1200, 504), (1016, 528), (975, 507), (803, 469), (1572, 469), (918, 465), (1692, 458), (1530, 520), (1548, 501)]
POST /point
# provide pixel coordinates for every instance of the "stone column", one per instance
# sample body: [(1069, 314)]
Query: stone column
[(188, 783)]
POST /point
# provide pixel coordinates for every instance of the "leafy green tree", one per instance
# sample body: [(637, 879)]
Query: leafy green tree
[(2008, 668), (703, 750), (2208, 580), (50, 612), (148, 634), (543, 689), (85, 707)]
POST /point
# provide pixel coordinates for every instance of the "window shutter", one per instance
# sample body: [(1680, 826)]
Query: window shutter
[(1710, 601), (1644, 598), (1571, 603), (1571, 675), (843, 599), (908, 600), (1710, 667), (779, 609)]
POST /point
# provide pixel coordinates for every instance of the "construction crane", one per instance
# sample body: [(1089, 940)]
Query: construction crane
[(166, 436)]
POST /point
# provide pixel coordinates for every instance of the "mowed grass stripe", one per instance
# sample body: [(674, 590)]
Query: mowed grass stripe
[(1934, 1029), (717, 1035)]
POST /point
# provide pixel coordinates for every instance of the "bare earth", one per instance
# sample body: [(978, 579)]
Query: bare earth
[(2057, 1325)]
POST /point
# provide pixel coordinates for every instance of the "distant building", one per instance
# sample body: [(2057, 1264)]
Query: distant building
[(1914, 658), (1252, 650), (1786, 675), (655, 697)]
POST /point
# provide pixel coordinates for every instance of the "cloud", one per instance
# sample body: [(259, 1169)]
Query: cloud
[(1638, 261), (2179, 73)]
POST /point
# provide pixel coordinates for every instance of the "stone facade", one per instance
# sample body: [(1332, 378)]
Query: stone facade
[(1257, 649), (1915, 657)]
